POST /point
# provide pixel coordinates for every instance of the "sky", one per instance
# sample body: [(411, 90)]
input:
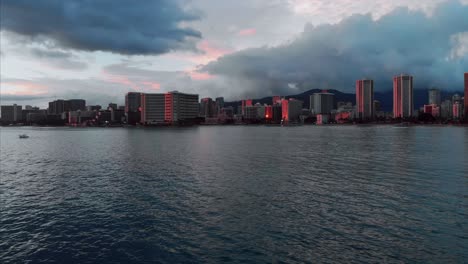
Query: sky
[(100, 50)]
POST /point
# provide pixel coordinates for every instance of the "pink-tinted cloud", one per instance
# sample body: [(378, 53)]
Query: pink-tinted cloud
[(119, 79), (210, 53), (199, 76), (133, 84), (152, 85), (22, 87), (247, 32)]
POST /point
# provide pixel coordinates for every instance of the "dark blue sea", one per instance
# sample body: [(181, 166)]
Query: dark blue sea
[(235, 194)]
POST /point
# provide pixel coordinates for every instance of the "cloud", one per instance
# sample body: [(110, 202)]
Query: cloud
[(118, 26), (431, 47), (209, 52), (58, 59), (21, 87), (17, 98), (247, 32)]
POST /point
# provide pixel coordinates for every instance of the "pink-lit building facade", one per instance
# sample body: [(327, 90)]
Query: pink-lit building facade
[(403, 96), (291, 110), (457, 110), (432, 109), (276, 100), (245, 103), (365, 99), (168, 108)]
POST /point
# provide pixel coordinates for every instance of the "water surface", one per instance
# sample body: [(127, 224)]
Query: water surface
[(234, 194)]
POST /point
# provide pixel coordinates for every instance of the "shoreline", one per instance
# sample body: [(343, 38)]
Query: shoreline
[(253, 125)]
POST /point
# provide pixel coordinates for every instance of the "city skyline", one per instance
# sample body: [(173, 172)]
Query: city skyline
[(227, 49), (179, 108)]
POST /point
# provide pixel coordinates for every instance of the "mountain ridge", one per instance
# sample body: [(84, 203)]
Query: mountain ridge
[(385, 98)]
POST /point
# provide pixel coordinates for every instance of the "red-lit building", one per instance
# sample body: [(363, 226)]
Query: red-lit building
[(276, 100), (268, 112), (284, 110), (432, 109), (246, 103), (457, 110), (322, 119), (291, 110), (403, 96), (342, 117), (365, 99), (168, 108), (466, 95)]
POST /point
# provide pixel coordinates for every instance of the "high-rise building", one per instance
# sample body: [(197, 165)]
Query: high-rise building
[(446, 109), (457, 110), (456, 98), (152, 108), (402, 96), (276, 100), (434, 96), (168, 108), (291, 110), (184, 106), (322, 103), (268, 112), (77, 104), (11, 113), (377, 106), (58, 107), (112, 106), (255, 112), (277, 113), (132, 107), (219, 104), (207, 108), (246, 103), (466, 95), (365, 99), (132, 102)]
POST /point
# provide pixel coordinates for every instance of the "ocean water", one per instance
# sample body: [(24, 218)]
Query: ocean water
[(235, 194)]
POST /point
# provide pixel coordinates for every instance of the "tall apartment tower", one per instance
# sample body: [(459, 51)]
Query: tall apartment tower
[(434, 96), (207, 108), (132, 107), (245, 103), (275, 100), (365, 99), (403, 96), (322, 103), (219, 104), (466, 95)]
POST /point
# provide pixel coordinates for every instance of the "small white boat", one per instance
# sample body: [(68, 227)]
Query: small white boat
[(23, 136)]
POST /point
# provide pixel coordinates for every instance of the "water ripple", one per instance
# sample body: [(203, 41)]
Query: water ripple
[(234, 194)]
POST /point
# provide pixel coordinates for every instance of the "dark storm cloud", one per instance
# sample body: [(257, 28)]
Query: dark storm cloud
[(119, 26), (58, 59), (334, 56)]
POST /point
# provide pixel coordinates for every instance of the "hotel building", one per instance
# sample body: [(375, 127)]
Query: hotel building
[(403, 96), (365, 99)]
